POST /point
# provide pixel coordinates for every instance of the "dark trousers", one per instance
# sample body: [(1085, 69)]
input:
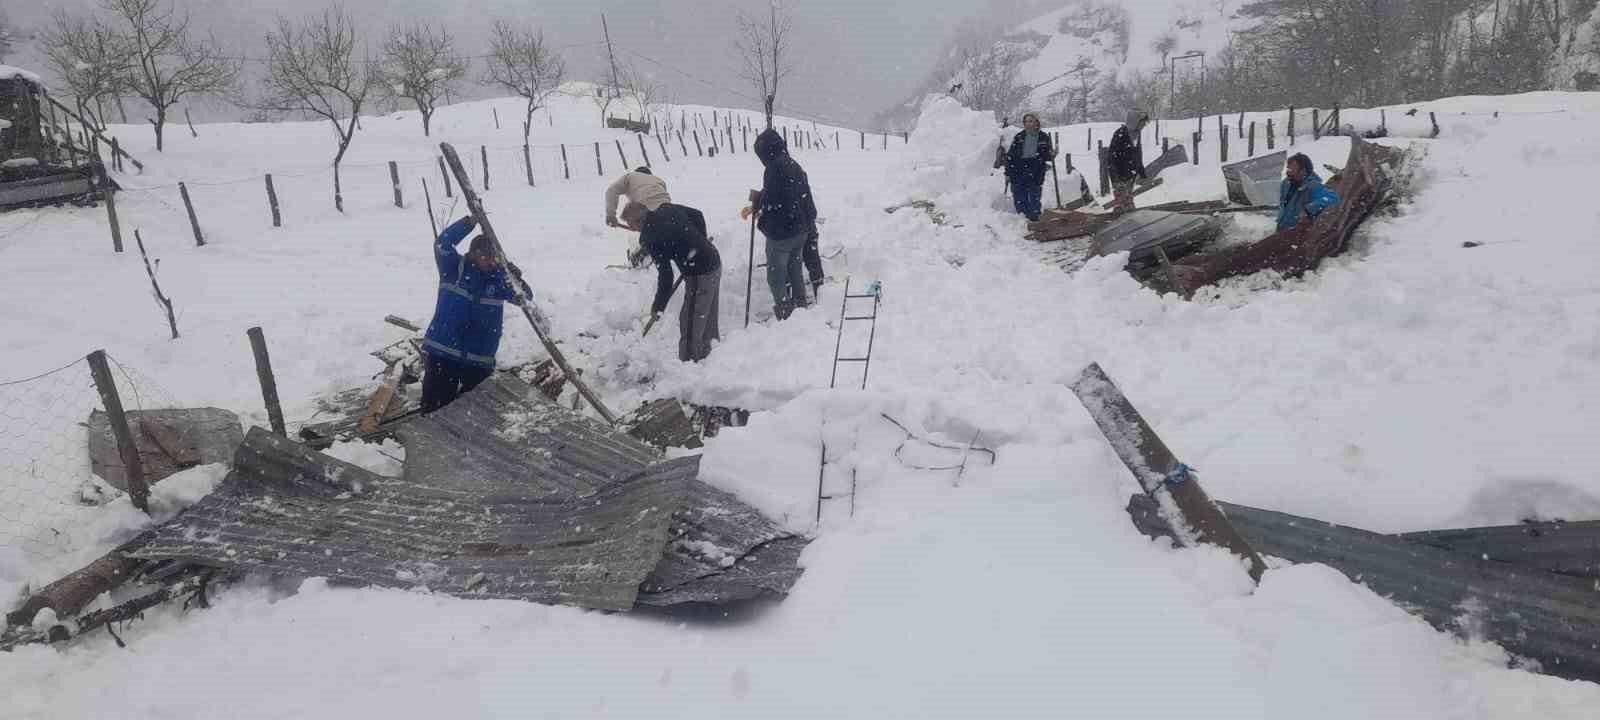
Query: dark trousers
[(1026, 197), (445, 380), (813, 261), (784, 266), (697, 320)]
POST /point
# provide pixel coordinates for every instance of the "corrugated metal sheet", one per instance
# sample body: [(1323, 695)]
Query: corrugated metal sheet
[(504, 495), (1256, 181), (1140, 232), (1542, 616)]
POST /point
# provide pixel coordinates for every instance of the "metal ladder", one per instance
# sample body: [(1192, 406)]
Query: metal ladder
[(875, 293)]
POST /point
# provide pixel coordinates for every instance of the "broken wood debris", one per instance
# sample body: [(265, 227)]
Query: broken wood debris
[(168, 441)]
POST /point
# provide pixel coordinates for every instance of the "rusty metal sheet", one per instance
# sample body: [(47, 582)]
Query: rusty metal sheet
[(288, 510)]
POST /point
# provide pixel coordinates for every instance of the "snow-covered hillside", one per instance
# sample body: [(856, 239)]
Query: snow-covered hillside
[(1410, 384)]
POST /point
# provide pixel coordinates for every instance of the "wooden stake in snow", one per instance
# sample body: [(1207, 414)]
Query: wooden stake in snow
[(446, 175), (194, 222), (269, 382), (527, 163), (621, 154), (132, 465), (428, 197), (566, 169), (642, 150), (484, 149), (394, 181), (190, 120), (161, 300), (699, 150), (599, 168), (1171, 483), (272, 200), (529, 309), (111, 215), (663, 145)]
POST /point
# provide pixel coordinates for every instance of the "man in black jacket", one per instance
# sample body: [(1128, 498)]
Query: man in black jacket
[(787, 216), (1125, 161), (677, 234)]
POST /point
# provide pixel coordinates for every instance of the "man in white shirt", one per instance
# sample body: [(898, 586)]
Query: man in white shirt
[(642, 187)]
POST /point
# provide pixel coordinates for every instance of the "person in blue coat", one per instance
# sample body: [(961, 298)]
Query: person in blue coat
[(1302, 194), (1027, 163), (467, 317)]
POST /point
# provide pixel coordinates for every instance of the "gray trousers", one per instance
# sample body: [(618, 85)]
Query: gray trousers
[(785, 270), (697, 320)]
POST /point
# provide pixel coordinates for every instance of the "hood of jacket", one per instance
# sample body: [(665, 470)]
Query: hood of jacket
[(770, 146)]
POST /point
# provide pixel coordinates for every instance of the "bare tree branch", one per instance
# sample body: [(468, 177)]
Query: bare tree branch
[(91, 59), (312, 69), (763, 47), (168, 63), (420, 64), (643, 90), (520, 62)]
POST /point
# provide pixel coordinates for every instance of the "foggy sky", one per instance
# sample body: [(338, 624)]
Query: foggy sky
[(853, 58)]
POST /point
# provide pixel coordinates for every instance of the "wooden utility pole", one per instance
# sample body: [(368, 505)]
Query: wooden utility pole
[(529, 309), (611, 55)]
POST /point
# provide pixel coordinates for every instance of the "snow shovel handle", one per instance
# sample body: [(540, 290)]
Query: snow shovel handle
[(657, 316)]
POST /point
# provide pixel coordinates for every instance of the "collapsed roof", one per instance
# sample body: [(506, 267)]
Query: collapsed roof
[(504, 495)]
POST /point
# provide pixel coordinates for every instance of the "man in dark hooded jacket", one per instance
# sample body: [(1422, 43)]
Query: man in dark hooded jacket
[(1125, 161), (677, 234), (787, 217)]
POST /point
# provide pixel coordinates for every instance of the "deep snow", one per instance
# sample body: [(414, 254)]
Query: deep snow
[(1410, 384)]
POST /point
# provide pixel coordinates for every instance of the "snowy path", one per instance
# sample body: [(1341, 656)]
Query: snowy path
[(1413, 384)]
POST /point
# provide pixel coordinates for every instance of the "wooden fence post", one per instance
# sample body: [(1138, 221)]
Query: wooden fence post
[(116, 154), (599, 168), (1105, 172), (699, 150), (1289, 131), (1221, 129), (269, 384), (394, 179), (1435, 121), (566, 170), (886, 141), (194, 222), (730, 138), (785, 134), (1241, 124), (1157, 470), (111, 215), (863, 139), (484, 149), (133, 467), (744, 137), (527, 162), (1222, 147), (1316, 123), (642, 150), (1252, 145), (446, 175), (496, 112), (1195, 138), (681, 146), (272, 201), (663, 145), (836, 146), (1165, 144), (620, 154), (1272, 142)]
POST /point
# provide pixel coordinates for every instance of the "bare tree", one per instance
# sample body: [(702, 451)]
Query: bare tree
[(169, 64), (520, 62), (644, 91), (420, 64), (763, 46), (91, 58), (312, 69)]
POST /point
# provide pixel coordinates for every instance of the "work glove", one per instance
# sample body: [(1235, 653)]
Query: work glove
[(611, 221), (472, 222), (745, 212)]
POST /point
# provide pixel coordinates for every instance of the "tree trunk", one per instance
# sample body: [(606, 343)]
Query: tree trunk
[(338, 195), (160, 124), (427, 121)]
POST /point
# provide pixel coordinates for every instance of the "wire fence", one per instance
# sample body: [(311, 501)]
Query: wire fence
[(47, 482)]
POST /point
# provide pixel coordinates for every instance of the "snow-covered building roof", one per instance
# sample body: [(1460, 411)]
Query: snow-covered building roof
[(8, 72)]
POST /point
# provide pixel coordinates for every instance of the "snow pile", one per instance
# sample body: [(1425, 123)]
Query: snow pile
[(951, 146)]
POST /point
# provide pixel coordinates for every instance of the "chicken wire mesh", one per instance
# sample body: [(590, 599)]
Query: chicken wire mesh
[(46, 484)]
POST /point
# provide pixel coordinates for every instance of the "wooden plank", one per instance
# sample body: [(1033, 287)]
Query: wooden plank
[(1184, 503)]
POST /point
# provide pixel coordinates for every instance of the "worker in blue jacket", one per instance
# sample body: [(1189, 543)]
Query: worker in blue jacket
[(1302, 195), (465, 332)]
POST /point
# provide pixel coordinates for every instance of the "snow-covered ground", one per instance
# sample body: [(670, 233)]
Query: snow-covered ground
[(1410, 384)]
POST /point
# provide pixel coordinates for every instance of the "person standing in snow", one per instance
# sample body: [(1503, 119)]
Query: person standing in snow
[(787, 217), (1027, 163), (1302, 195), (1125, 160), (467, 317), (677, 234), (639, 186)]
